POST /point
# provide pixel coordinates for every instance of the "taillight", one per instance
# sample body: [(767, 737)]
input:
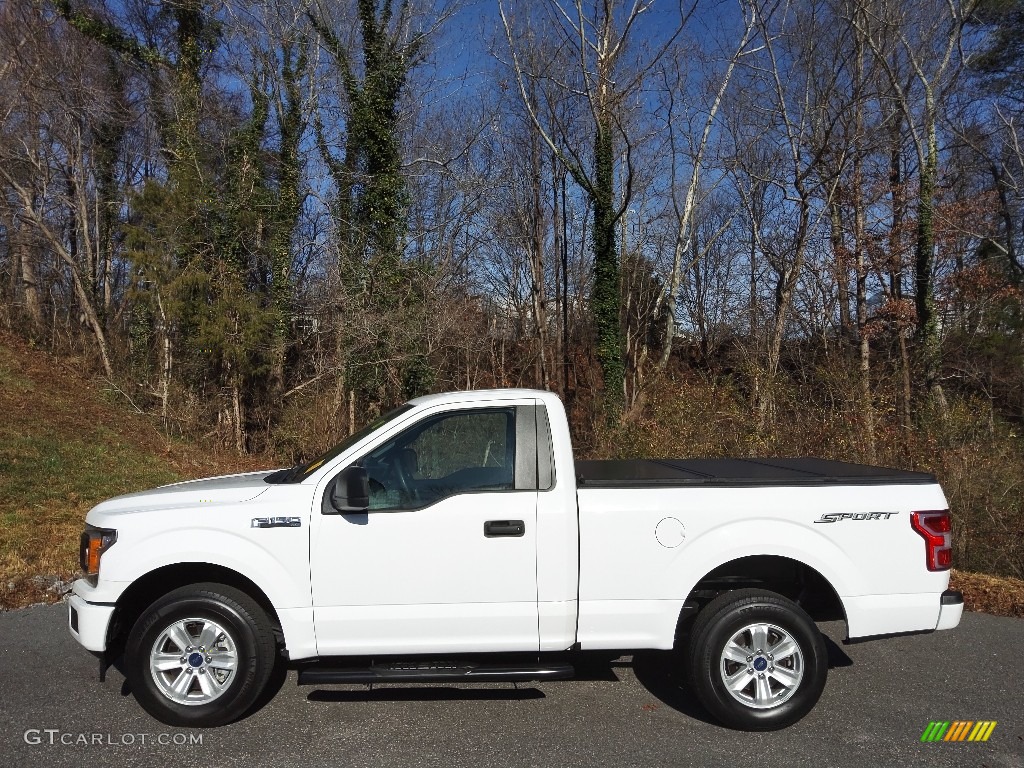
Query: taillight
[(935, 527)]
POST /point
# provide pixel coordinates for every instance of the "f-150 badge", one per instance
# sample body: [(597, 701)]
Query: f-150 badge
[(837, 517), (276, 522)]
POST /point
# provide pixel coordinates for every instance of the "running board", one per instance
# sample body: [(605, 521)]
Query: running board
[(434, 673)]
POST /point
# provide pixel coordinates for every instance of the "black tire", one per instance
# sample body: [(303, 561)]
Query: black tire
[(241, 629), (796, 683)]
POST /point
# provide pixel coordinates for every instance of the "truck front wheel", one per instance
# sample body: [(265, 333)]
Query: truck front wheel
[(200, 655), (756, 660)]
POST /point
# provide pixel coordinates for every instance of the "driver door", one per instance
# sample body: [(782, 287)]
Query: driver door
[(445, 559)]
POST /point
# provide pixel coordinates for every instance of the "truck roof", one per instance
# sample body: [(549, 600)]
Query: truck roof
[(470, 395)]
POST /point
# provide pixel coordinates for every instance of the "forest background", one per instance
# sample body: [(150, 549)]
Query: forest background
[(753, 227)]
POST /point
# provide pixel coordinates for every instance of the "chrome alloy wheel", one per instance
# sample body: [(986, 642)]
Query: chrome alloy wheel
[(193, 661), (762, 666)]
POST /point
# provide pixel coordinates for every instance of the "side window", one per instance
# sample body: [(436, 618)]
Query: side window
[(452, 453)]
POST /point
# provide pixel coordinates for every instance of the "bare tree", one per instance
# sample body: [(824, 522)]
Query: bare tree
[(47, 158), (693, 155), (926, 36), (603, 71)]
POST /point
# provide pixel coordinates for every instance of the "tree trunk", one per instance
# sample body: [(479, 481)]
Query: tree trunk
[(839, 252), (30, 288), (860, 244), (23, 265), (896, 273), (292, 124), (92, 320), (924, 264), (784, 289), (906, 383), (537, 292), (754, 330), (671, 291), (605, 300), (166, 361), (236, 406), (558, 348), (109, 140), (1002, 183)]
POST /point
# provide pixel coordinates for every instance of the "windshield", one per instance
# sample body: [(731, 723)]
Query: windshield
[(299, 472)]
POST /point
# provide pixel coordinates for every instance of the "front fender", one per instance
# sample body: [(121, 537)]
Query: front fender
[(280, 570)]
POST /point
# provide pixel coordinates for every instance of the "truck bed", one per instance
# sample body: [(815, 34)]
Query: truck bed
[(641, 473)]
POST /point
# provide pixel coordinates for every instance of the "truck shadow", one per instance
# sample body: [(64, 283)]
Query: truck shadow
[(659, 672)]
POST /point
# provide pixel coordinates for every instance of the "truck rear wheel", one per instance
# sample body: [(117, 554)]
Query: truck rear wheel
[(756, 660), (200, 656)]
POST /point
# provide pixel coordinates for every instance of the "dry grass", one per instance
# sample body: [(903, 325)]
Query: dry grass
[(67, 443), (990, 594)]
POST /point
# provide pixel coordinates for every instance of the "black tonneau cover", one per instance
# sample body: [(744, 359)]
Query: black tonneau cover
[(639, 473)]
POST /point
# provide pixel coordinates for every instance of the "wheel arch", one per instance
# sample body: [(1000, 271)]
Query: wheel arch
[(153, 585), (789, 577)]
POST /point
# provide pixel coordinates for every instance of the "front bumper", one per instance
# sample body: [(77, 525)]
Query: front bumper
[(88, 623), (951, 609)]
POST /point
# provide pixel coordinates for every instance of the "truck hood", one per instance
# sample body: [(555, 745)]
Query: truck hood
[(227, 489)]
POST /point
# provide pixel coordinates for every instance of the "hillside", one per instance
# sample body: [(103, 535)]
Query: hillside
[(66, 443)]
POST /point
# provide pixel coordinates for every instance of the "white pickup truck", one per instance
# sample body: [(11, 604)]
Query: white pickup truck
[(456, 539)]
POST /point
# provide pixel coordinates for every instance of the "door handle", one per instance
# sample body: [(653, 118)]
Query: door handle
[(493, 528)]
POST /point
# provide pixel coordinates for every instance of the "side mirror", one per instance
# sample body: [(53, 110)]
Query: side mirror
[(350, 492)]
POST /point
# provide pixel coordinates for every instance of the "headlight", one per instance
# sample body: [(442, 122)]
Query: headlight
[(95, 541)]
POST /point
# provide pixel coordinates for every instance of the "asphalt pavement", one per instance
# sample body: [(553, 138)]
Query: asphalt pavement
[(880, 697)]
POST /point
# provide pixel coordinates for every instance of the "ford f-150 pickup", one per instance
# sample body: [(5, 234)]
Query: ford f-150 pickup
[(456, 539)]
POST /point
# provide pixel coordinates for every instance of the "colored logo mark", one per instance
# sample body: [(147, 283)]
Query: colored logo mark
[(959, 730)]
